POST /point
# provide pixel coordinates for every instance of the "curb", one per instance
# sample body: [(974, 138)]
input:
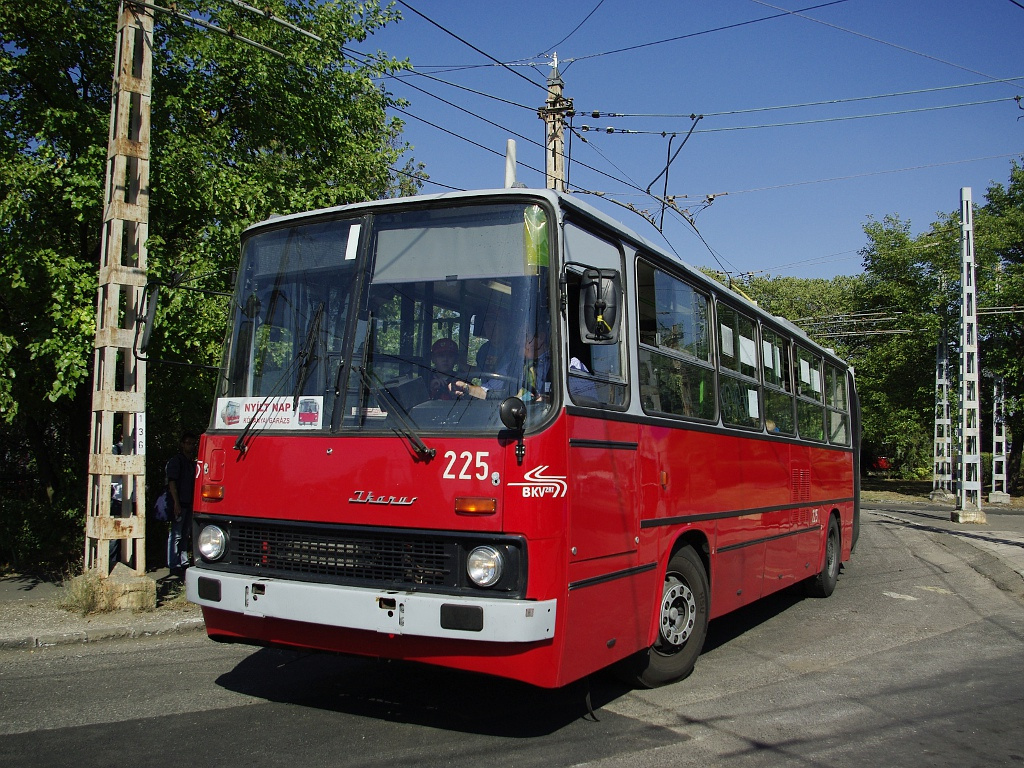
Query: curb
[(99, 634)]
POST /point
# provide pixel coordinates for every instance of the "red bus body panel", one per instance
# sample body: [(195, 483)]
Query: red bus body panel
[(602, 504)]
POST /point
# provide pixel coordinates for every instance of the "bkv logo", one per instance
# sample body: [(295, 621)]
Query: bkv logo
[(540, 486)]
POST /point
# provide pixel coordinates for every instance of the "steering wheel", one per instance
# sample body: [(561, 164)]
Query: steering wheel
[(492, 376)]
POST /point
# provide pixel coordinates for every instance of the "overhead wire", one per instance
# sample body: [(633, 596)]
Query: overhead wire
[(800, 14), (825, 102), (611, 130), (575, 29), (863, 175), (697, 34), (470, 45)]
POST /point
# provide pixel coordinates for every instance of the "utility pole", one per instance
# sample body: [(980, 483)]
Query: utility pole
[(119, 378), (553, 114), (969, 488), (942, 473), (999, 445)]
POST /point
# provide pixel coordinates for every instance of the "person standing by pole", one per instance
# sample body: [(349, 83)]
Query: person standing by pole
[(180, 476)]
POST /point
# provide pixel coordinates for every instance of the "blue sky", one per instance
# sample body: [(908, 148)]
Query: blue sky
[(789, 199)]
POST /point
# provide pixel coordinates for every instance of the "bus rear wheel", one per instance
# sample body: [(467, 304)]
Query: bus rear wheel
[(682, 624), (824, 583)]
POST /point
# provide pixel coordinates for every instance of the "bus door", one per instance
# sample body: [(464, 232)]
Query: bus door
[(603, 512), (604, 509)]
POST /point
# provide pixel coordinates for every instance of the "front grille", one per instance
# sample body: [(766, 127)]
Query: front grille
[(343, 556)]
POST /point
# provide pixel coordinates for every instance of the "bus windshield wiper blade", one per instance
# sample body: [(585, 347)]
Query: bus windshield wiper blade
[(399, 413), (306, 355)]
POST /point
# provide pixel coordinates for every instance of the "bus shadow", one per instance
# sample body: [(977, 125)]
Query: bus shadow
[(725, 629), (405, 692), (420, 694)]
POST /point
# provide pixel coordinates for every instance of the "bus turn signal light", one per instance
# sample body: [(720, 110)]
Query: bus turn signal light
[(212, 492), (475, 505)]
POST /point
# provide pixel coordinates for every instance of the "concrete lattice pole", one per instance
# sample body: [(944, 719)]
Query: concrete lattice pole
[(969, 487), (1000, 447), (119, 378), (942, 453)]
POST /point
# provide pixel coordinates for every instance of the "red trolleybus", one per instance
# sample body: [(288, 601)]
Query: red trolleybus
[(618, 451)]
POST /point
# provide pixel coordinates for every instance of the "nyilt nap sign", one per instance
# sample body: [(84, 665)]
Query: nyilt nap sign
[(269, 413)]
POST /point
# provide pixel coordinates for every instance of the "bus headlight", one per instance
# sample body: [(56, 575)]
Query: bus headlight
[(484, 566), (212, 542)]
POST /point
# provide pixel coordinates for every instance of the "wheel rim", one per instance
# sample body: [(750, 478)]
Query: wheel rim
[(678, 613)]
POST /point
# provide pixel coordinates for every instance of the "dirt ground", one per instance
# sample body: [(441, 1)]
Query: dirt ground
[(907, 491)]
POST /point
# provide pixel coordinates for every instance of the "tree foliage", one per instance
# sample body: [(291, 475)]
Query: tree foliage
[(237, 134), (893, 314)]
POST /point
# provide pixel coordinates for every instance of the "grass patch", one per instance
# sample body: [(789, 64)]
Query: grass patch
[(84, 595)]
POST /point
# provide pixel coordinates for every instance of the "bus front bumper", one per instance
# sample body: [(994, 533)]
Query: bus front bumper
[(377, 610)]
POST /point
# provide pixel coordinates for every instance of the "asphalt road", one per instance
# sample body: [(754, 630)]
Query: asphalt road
[(916, 660)]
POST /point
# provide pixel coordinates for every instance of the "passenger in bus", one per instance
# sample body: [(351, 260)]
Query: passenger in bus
[(493, 354), (581, 388), (444, 354)]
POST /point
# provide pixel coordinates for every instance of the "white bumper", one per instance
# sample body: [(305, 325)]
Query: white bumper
[(376, 610)]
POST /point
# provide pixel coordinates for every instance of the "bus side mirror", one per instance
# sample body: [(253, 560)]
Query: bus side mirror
[(599, 306), (512, 412)]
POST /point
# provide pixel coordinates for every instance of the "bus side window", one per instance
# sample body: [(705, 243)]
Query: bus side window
[(776, 372), (598, 375), (676, 365), (594, 372)]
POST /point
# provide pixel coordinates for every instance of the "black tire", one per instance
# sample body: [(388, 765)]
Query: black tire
[(824, 583), (682, 621)]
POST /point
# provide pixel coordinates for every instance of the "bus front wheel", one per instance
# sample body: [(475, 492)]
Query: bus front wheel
[(682, 624)]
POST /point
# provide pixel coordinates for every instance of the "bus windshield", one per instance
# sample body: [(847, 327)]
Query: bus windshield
[(424, 318)]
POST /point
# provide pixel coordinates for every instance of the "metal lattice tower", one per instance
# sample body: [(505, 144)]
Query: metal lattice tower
[(942, 454), (119, 379), (999, 445), (969, 486)]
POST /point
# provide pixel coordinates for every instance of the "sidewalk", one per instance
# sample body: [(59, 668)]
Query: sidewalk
[(30, 617)]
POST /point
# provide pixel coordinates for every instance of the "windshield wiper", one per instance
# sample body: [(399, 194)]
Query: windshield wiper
[(399, 413), (306, 356), (303, 361)]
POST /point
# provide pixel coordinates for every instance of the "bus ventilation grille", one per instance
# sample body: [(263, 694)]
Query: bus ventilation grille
[(801, 485), (344, 556)]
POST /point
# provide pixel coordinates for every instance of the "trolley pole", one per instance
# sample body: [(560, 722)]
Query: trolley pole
[(969, 488), (119, 378), (553, 114)]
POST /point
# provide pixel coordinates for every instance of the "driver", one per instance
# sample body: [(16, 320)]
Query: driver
[(532, 368), (444, 353)]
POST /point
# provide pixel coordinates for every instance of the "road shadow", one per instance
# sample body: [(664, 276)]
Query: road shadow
[(421, 694), (725, 629), (436, 697)]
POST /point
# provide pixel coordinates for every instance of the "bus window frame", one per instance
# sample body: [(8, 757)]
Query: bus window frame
[(574, 265), (735, 375), (809, 401), (787, 388), (680, 357)]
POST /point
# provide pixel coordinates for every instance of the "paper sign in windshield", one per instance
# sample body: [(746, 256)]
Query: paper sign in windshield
[(269, 413)]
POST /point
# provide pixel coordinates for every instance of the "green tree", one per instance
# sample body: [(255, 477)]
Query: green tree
[(999, 225), (906, 280), (238, 134)]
